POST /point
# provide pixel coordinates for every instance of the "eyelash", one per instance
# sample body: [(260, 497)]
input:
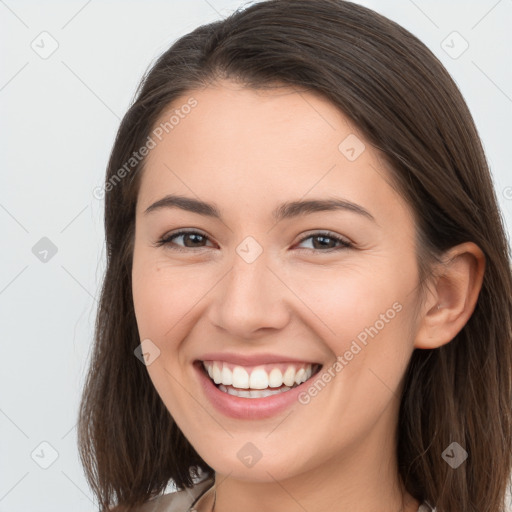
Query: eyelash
[(167, 241)]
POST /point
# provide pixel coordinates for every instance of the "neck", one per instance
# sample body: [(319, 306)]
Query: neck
[(363, 478)]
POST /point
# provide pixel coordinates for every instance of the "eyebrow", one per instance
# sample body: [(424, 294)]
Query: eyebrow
[(286, 210)]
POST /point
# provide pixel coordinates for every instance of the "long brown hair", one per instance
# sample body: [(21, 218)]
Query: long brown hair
[(407, 106)]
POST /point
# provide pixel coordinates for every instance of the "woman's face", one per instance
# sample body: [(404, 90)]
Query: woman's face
[(306, 257)]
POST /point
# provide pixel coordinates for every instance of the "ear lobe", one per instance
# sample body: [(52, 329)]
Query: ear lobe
[(452, 296)]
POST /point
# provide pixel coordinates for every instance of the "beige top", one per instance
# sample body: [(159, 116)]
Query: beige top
[(200, 499)]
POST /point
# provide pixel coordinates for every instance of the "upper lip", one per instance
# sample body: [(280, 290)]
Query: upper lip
[(253, 360)]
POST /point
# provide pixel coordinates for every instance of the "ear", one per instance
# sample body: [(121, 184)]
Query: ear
[(451, 297)]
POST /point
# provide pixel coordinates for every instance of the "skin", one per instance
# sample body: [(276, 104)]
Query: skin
[(248, 151)]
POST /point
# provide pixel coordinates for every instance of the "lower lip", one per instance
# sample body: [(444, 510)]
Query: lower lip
[(247, 408)]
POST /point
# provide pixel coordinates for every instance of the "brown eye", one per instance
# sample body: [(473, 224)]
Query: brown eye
[(189, 240), (326, 242)]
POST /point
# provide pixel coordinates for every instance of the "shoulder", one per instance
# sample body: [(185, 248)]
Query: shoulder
[(179, 501)]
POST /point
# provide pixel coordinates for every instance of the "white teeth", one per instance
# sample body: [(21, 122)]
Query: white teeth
[(252, 393), (289, 376), (217, 376), (259, 379), (227, 376), (275, 378), (299, 376), (240, 377)]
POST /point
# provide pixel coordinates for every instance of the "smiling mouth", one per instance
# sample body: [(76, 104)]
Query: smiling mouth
[(258, 381)]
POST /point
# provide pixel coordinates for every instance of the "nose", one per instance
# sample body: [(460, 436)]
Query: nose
[(250, 299)]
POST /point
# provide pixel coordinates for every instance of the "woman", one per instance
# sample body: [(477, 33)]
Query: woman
[(307, 301)]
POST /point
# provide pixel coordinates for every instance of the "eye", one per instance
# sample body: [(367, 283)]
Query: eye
[(326, 241), (195, 239), (191, 240)]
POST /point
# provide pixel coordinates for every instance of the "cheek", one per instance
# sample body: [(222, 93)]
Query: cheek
[(365, 324), (364, 315), (157, 306), (163, 297), (345, 301)]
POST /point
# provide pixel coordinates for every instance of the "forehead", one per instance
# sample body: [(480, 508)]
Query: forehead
[(246, 147)]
